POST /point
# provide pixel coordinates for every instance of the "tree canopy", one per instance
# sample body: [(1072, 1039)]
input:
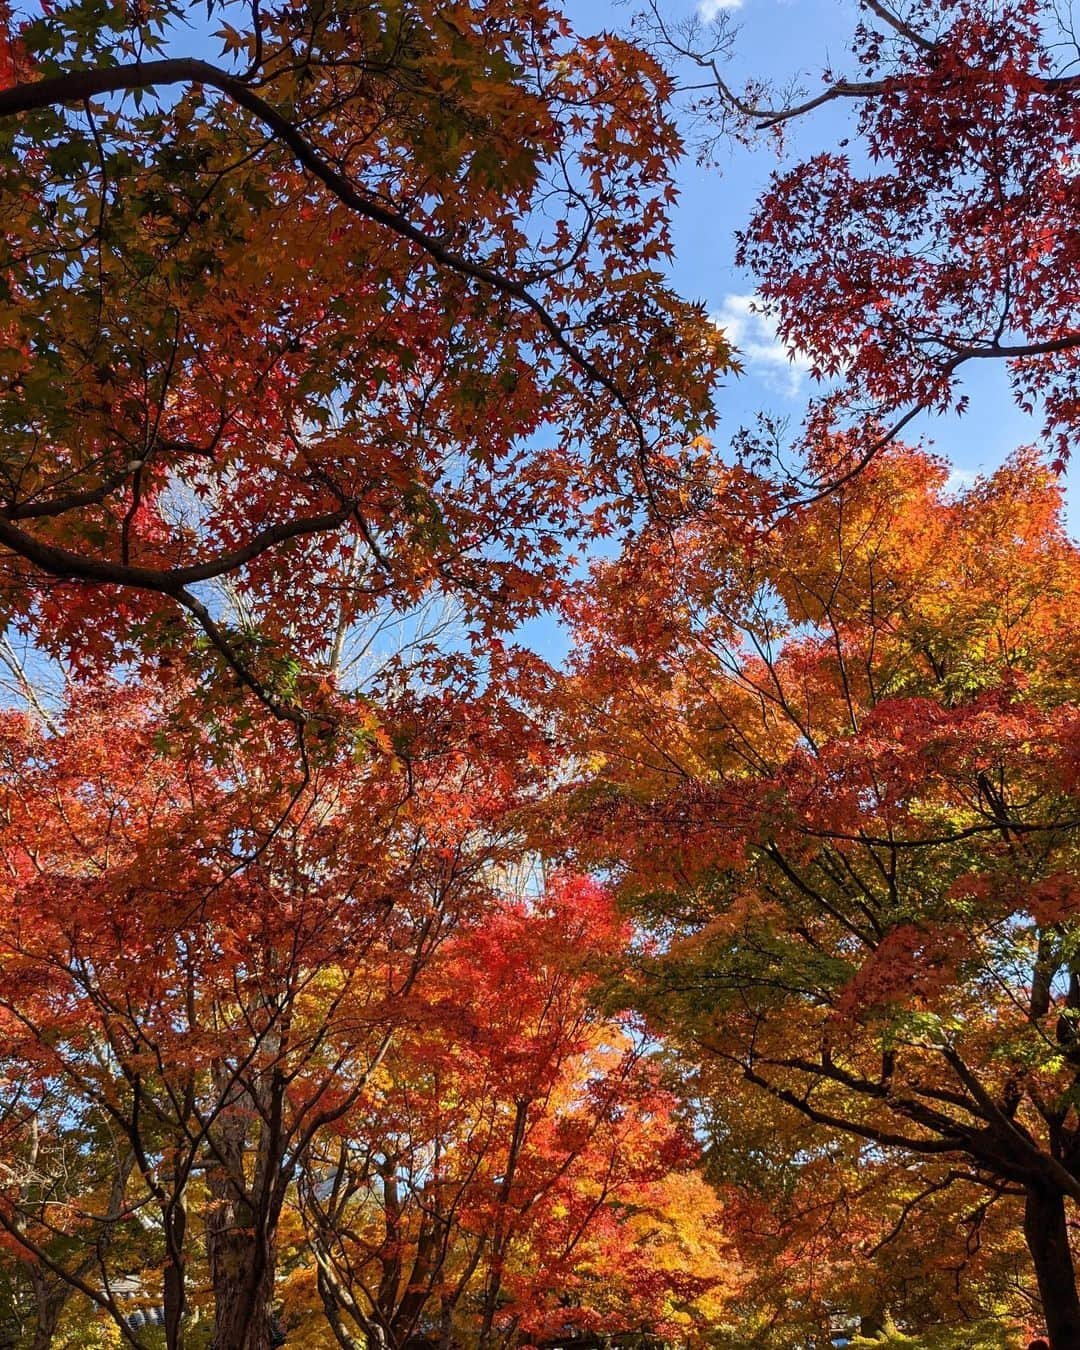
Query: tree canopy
[(835, 771), (369, 979)]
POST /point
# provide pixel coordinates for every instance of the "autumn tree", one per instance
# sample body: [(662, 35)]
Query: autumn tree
[(64, 1172), (838, 1239), (216, 988), (833, 767), (349, 1017), (516, 1171), (369, 306), (940, 233)]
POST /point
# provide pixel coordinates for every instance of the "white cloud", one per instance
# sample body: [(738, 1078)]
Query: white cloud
[(959, 480), (712, 9), (754, 334)]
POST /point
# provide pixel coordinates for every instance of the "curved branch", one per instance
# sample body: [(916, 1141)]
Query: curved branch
[(895, 22), (63, 562), (78, 86)]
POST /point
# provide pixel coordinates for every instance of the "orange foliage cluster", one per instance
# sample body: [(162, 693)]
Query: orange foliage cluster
[(837, 785)]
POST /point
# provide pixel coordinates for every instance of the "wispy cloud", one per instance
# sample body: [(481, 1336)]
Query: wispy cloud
[(712, 9), (761, 349)]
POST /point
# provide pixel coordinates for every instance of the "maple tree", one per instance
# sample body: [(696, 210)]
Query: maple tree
[(55, 1159), (837, 1241), (370, 308), (833, 766), (516, 1172), (344, 1017), (215, 990), (941, 233)]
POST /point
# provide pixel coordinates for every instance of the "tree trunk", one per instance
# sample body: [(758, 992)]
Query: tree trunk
[(243, 1282), (500, 1234), (48, 1315), (50, 1299), (1048, 1242), (174, 1302), (174, 1282), (877, 1325), (241, 1226)]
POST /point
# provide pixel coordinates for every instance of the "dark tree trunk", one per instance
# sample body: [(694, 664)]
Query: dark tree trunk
[(175, 1304), (1048, 1242), (174, 1290), (50, 1299), (241, 1228), (243, 1282), (48, 1315), (877, 1324)]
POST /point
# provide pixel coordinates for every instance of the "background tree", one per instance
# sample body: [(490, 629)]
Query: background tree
[(65, 1176), (516, 1173), (216, 991), (834, 769), (942, 233)]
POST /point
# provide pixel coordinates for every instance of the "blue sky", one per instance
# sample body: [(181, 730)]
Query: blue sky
[(780, 39)]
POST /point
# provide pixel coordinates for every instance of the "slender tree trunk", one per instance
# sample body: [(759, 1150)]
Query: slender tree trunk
[(51, 1297), (328, 1292), (173, 1282), (446, 1325), (1048, 1242), (500, 1235)]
